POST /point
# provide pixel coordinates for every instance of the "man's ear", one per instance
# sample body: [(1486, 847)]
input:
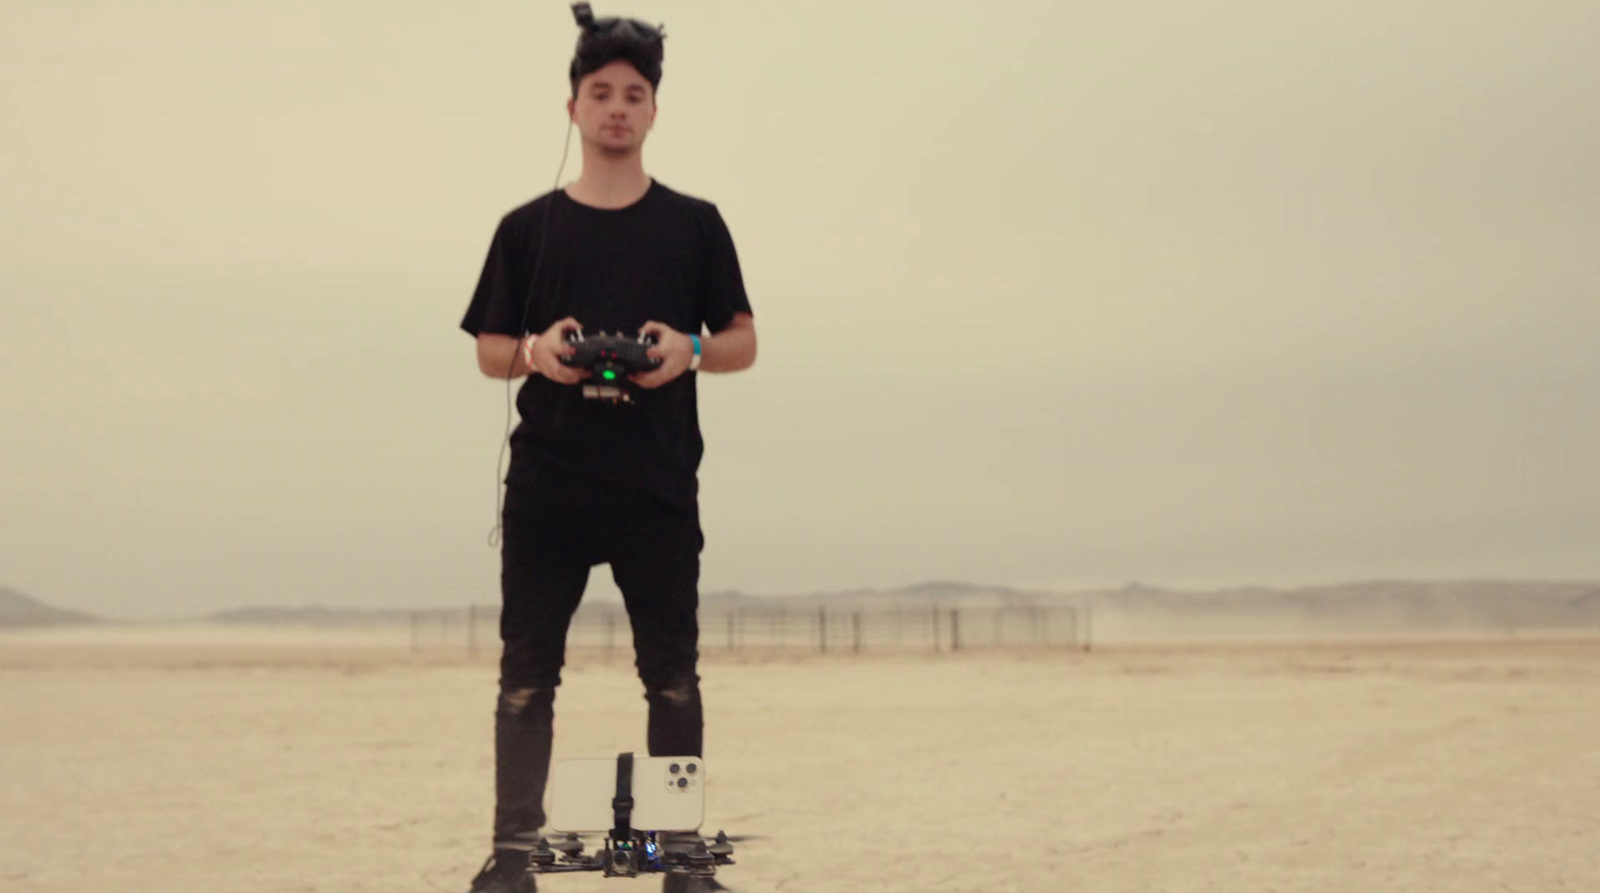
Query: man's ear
[(572, 108)]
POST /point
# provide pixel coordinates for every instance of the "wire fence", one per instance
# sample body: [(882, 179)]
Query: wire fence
[(825, 630)]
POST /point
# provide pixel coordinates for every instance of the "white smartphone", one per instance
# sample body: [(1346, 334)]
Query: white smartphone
[(668, 794)]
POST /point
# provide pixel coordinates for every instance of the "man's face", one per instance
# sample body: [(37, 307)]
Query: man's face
[(614, 109)]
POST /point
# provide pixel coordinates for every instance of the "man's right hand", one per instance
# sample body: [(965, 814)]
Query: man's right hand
[(543, 353)]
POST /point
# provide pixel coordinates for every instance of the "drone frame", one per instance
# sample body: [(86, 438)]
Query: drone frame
[(639, 852)]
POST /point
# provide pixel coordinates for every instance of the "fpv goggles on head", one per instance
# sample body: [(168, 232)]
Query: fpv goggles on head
[(608, 39), (615, 26)]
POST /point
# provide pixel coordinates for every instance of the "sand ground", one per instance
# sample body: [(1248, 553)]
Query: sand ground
[(188, 766)]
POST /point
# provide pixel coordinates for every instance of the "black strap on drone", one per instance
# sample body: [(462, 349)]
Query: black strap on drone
[(622, 803)]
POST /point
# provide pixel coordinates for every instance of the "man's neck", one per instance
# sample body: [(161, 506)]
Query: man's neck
[(608, 182)]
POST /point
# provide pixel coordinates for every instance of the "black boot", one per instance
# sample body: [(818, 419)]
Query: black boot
[(505, 872), (682, 883)]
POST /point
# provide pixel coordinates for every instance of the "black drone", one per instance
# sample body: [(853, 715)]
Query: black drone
[(628, 852)]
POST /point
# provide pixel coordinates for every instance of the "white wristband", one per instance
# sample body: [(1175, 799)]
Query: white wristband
[(526, 349)]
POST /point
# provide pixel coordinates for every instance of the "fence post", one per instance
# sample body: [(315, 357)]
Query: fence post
[(855, 632), (1088, 629), (955, 629), (416, 644), (472, 629), (611, 631), (822, 630), (730, 630)]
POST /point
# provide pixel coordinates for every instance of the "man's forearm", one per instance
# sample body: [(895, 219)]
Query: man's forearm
[(730, 350), (500, 356)]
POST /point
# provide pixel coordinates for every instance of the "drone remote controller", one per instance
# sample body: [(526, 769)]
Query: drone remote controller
[(610, 359)]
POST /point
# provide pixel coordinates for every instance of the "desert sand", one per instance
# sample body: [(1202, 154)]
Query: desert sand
[(189, 763)]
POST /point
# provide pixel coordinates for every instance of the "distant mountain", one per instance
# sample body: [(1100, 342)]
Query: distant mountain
[(307, 615), (1405, 604), (1419, 603), (1390, 603), (937, 591), (18, 610)]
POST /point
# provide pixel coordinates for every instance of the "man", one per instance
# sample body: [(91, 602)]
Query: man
[(591, 481)]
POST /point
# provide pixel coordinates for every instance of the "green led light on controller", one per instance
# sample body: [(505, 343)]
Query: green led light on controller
[(608, 375)]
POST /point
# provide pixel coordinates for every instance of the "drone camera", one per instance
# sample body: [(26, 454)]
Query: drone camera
[(621, 861)]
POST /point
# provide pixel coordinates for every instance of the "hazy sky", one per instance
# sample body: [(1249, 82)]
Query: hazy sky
[(1048, 293)]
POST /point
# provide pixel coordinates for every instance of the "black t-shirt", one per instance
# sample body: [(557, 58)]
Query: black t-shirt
[(668, 258)]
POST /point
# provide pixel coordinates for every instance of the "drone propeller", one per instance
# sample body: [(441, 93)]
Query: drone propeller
[(722, 844), (570, 845)]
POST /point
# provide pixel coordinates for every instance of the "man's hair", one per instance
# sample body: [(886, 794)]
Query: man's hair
[(604, 41)]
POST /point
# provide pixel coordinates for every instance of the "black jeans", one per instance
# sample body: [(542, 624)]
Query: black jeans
[(553, 532)]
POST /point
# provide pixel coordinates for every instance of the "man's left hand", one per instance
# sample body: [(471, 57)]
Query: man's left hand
[(673, 348)]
